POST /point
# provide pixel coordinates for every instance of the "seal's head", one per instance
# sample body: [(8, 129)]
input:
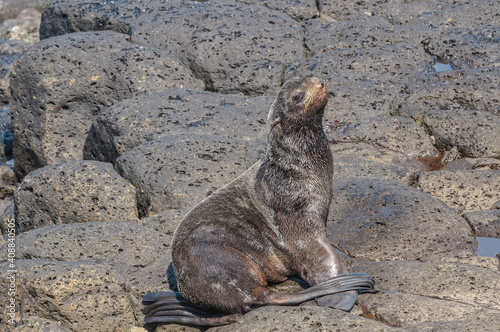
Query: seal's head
[(301, 101)]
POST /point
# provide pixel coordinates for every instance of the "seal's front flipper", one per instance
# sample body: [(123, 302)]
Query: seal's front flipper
[(343, 301)]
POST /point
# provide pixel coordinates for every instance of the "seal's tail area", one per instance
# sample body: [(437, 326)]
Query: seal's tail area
[(172, 308)]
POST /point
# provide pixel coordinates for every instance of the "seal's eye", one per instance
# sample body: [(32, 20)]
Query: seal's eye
[(298, 97)]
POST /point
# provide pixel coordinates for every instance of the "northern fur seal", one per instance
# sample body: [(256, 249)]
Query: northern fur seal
[(267, 225)]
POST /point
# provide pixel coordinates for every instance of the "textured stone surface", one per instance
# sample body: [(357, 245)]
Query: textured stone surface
[(78, 75), (304, 318), (77, 191), (215, 37), (474, 133), (10, 51), (137, 120), (383, 220), (462, 190), (484, 222), (179, 171), (7, 182), (6, 134)]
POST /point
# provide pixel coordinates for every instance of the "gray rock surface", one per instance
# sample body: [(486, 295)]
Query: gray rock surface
[(78, 75), (382, 220), (12, 8), (462, 190), (138, 120), (474, 133), (179, 171), (25, 29), (7, 182), (484, 223), (413, 291), (214, 37), (6, 135), (10, 51), (77, 191)]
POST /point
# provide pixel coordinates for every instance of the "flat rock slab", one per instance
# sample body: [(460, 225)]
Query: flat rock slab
[(179, 171), (137, 120), (394, 133), (441, 291), (463, 190), (77, 76), (484, 222), (214, 37), (73, 192), (383, 220), (475, 133), (303, 318), (83, 296)]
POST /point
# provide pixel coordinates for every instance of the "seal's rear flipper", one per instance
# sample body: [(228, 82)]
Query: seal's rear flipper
[(342, 301), (356, 282), (172, 308)]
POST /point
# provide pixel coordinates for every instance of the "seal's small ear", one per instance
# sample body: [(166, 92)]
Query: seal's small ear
[(276, 122)]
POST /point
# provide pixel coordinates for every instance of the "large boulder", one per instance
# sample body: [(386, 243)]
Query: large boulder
[(77, 76), (76, 191), (382, 220), (179, 171), (141, 119)]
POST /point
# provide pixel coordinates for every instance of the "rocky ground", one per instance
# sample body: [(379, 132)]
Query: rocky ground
[(128, 112)]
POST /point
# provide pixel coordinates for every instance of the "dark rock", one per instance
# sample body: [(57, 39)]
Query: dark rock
[(77, 191), (6, 217), (298, 9), (484, 223), (353, 160), (10, 51), (78, 75), (67, 16), (83, 296), (214, 38), (12, 8), (176, 172), (381, 220), (474, 133), (137, 120), (472, 89), (6, 134), (8, 181), (396, 64), (413, 292), (462, 190), (398, 134), (304, 318)]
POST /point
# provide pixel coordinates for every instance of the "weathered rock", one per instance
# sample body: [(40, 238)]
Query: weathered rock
[(12, 8), (398, 134), (67, 16), (471, 89), (176, 172), (462, 190), (137, 120), (84, 296), (470, 324), (304, 318), (77, 191), (78, 75), (7, 219), (484, 222), (474, 133), (395, 64), (353, 160), (7, 182), (166, 221), (25, 29), (381, 220), (37, 324), (6, 134), (298, 9), (473, 163), (253, 78), (213, 38), (415, 292), (10, 51), (465, 257)]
